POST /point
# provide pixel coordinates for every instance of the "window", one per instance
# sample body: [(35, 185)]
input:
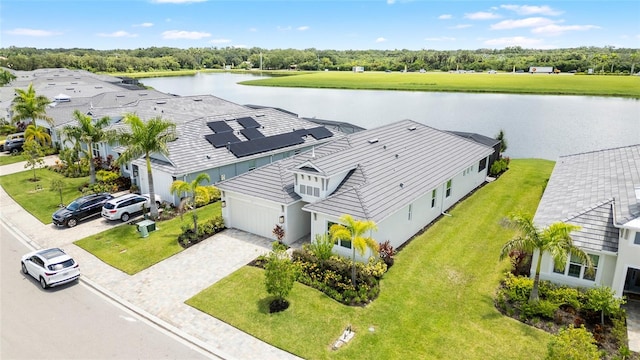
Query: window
[(448, 192), (343, 243), (433, 198), (316, 192), (409, 212), (222, 177), (303, 189), (575, 268), (482, 164), (636, 240), (95, 150), (309, 190)]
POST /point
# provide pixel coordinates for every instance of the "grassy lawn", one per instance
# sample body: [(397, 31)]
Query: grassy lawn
[(11, 159), (436, 301), (626, 86), (122, 247), (37, 197)]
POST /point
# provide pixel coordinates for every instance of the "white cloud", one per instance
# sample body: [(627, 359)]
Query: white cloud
[(303, 28), (515, 41), (460, 26), (283, 28), (555, 30), (176, 1), (33, 32), (220, 41), (531, 10), (481, 15), (520, 23), (442, 38), (391, 2), (445, 17), (381, 40), (146, 24), (118, 34), (253, 30), (181, 34)]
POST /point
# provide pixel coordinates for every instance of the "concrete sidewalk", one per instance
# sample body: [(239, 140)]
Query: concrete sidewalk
[(158, 293)]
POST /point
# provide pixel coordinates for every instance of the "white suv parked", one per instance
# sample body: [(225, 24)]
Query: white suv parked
[(124, 206)]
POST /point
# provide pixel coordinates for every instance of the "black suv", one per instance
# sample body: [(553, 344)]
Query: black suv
[(81, 208), (14, 144)]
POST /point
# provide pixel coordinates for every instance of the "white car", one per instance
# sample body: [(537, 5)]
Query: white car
[(51, 267), (124, 206)]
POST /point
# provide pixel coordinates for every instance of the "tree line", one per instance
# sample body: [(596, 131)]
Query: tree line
[(602, 59)]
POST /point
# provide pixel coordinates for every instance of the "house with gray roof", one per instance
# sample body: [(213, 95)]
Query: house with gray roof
[(402, 176), (600, 192)]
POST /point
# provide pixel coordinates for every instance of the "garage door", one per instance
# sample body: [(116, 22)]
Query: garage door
[(253, 217)]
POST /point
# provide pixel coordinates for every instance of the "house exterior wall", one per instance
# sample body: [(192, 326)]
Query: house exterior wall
[(161, 182), (296, 223), (400, 226), (628, 257), (604, 275)]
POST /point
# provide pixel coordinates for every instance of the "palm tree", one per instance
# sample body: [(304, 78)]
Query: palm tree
[(37, 133), (143, 139), (554, 239), (354, 231), (29, 106), (194, 191), (89, 132)]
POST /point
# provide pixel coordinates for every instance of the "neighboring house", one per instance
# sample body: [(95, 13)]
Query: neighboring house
[(485, 140), (215, 136), (402, 176), (600, 192)]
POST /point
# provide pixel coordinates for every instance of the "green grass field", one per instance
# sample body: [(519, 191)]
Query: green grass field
[(621, 86), (436, 302)]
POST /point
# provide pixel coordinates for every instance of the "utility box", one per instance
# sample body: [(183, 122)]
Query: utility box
[(145, 227)]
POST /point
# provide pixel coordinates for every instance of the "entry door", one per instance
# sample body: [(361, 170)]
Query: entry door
[(632, 282)]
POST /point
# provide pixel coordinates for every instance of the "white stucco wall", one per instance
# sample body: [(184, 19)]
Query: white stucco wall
[(604, 274), (161, 182), (252, 215), (628, 257)]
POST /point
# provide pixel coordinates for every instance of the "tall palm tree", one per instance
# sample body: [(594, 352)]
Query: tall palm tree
[(29, 106), (354, 230), (554, 239), (90, 132), (143, 139), (195, 191), (37, 133)]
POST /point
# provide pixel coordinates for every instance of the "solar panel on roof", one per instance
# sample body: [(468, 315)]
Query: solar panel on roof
[(265, 144), (320, 132), (248, 122), (251, 133), (219, 126), (221, 139)]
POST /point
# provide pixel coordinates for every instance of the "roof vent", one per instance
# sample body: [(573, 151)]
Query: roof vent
[(159, 102), (411, 128), (401, 185), (397, 156), (197, 99), (373, 141)]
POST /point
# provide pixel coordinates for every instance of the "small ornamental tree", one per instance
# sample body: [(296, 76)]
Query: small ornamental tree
[(58, 185), (573, 344), (33, 153), (602, 299), (280, 275)]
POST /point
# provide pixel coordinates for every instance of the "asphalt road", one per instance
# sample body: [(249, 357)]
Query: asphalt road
[(72, 321)]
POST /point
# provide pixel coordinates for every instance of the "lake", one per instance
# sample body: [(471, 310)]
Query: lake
[(536, 126)]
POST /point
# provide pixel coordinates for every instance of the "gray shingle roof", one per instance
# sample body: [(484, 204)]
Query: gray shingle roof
[(579, 186), (596, 228), (386, 175)]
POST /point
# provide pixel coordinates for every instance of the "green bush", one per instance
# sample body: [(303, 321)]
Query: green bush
[(564, 296), (322, 248), (280, 274), (518, 288), (499, 166), (541, 308), (573, 344)]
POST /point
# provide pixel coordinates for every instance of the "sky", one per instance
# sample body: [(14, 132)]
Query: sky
[(319, 24)]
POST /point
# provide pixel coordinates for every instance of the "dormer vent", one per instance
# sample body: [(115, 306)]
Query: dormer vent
[(373, 141)]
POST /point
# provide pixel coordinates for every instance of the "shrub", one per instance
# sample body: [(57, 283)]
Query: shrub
[(518, 288), (542, 308), (573, 344), (564, 296), (206, 229), (602, 299), (499, 166), (322, 248), (386, 253)]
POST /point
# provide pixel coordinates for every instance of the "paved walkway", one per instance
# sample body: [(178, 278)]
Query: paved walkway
[(633, 324), (158, 293)]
